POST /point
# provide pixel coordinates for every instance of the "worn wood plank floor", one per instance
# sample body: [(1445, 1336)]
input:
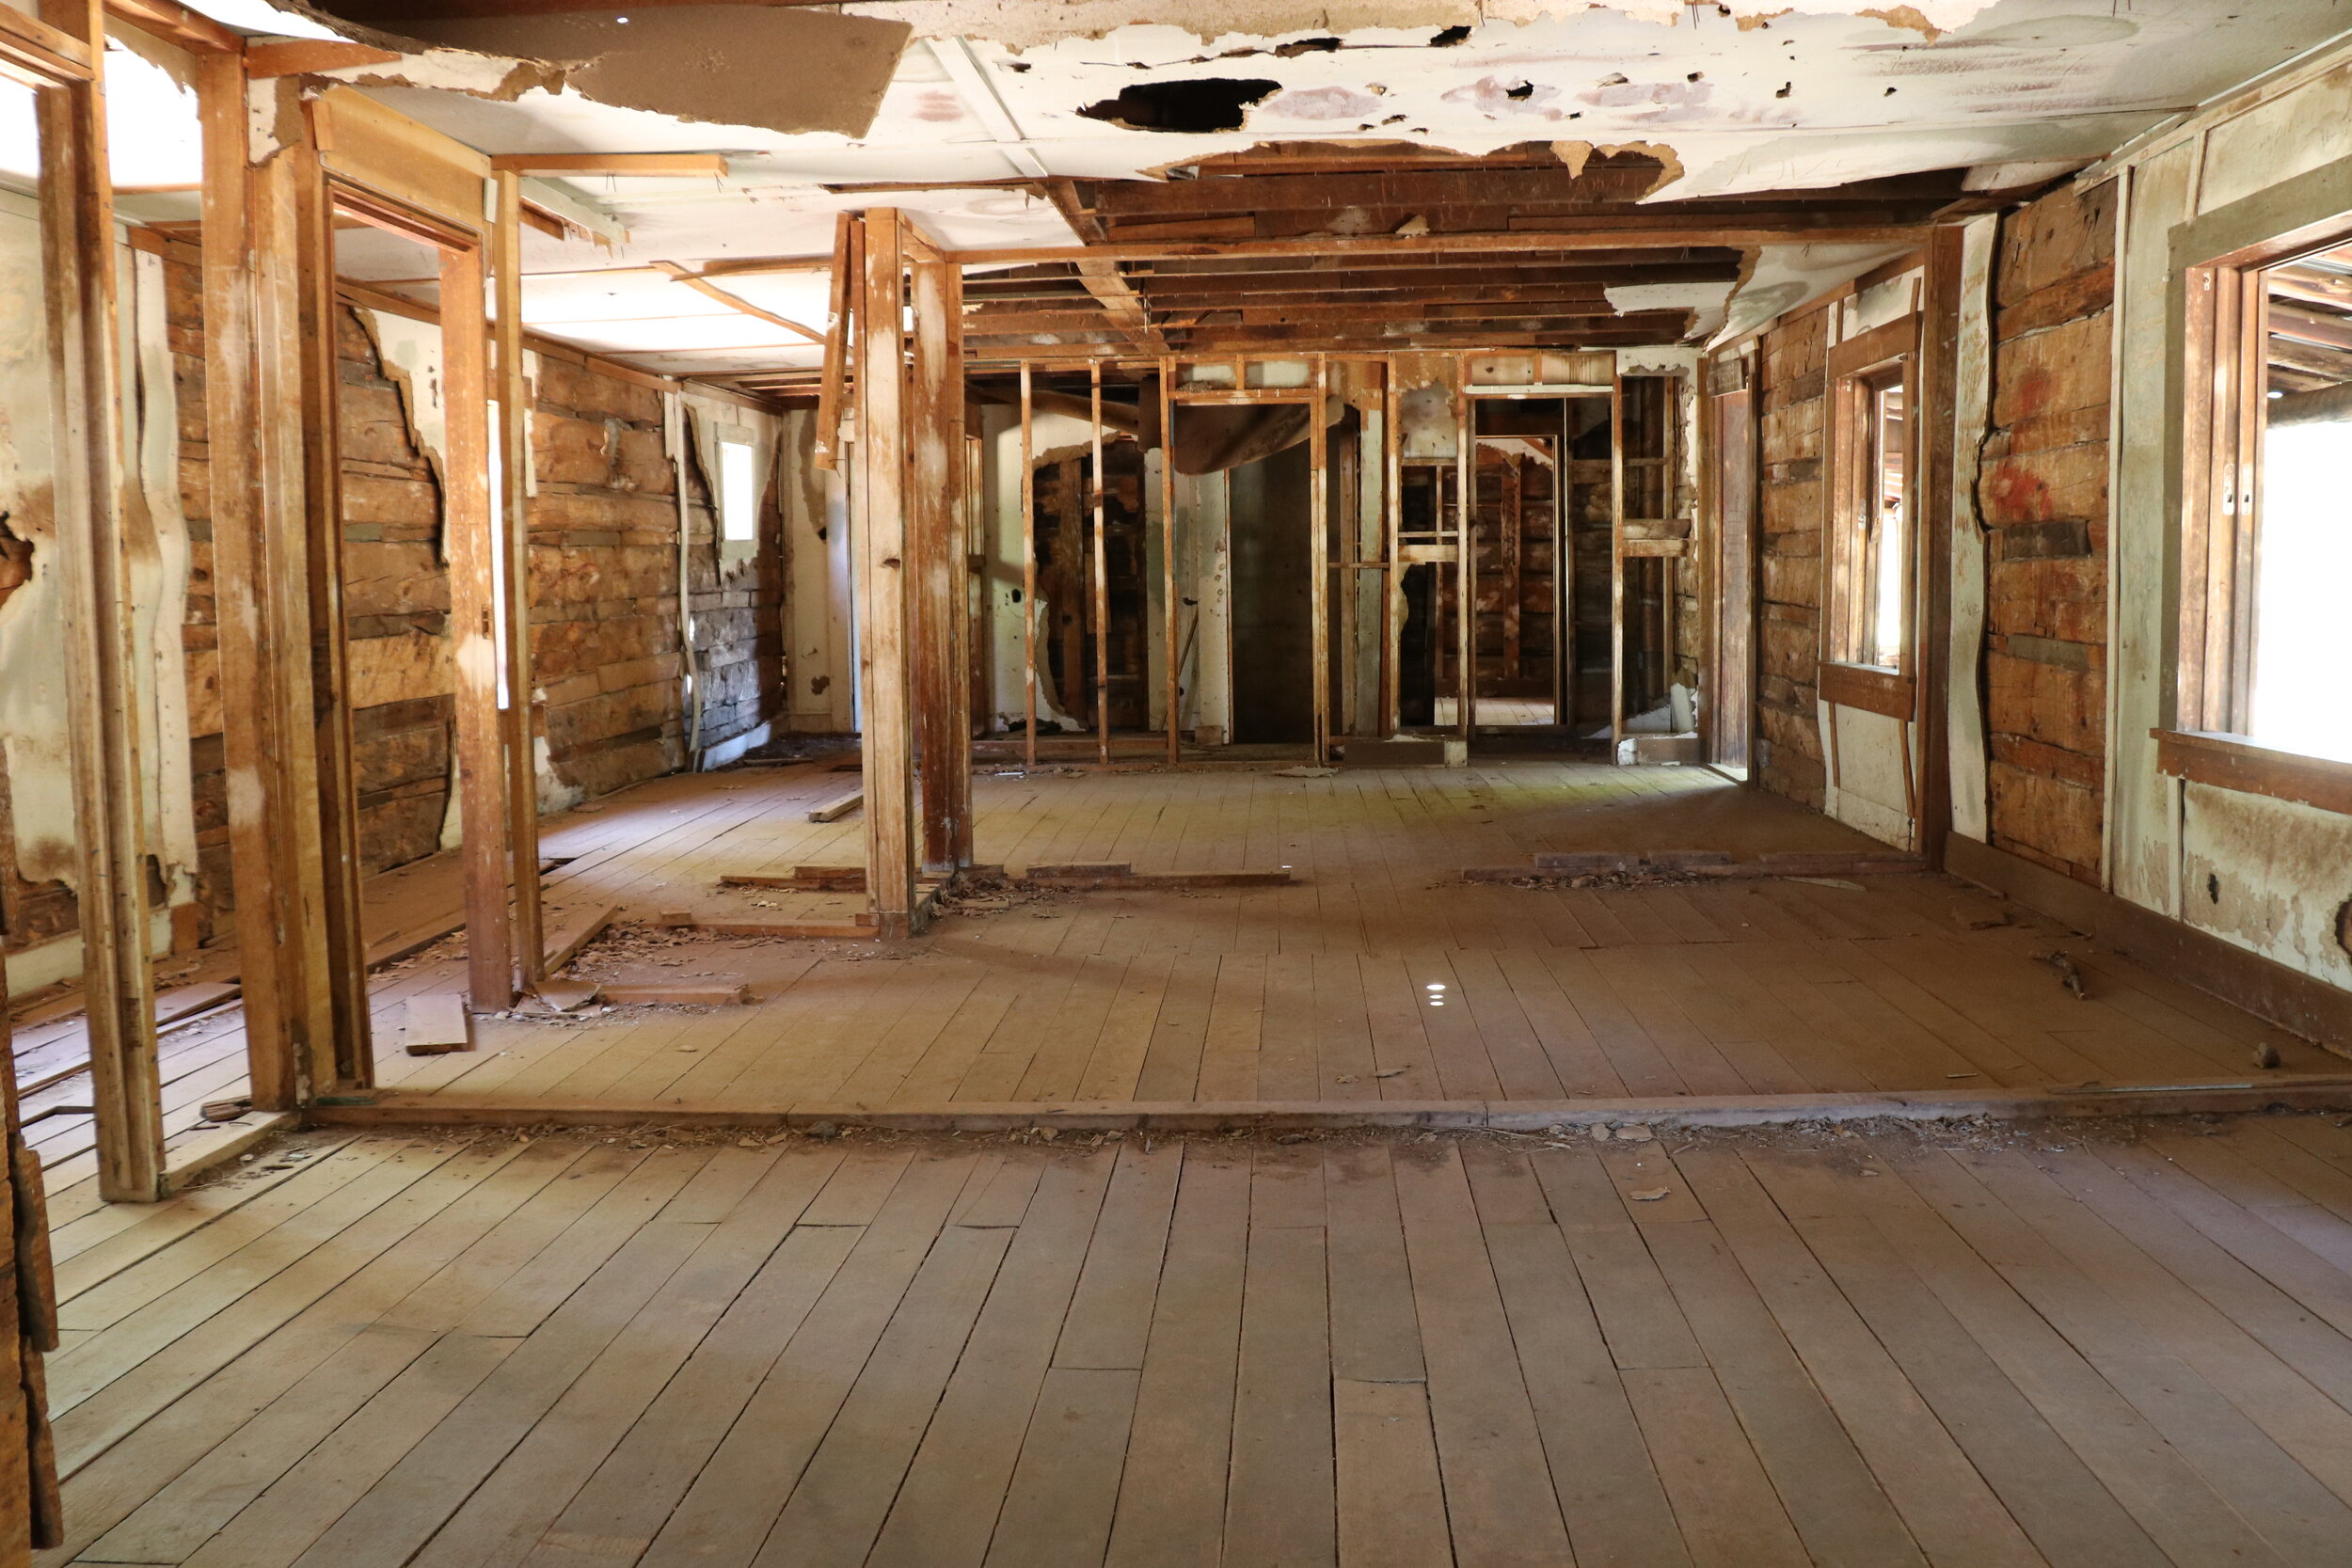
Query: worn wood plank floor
[(1379, 975), (2120, 1346)]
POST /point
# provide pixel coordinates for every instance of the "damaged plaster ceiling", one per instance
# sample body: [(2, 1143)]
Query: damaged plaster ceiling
[(994, 112)]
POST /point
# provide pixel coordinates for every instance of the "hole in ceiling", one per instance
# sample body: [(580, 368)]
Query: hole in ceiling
[(1201, 104), (1524, 90), (1304, 46), (1451, 37)]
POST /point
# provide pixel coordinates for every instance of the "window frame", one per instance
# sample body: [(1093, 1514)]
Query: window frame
[(2226, 322), (730, 548), (1854, 369)]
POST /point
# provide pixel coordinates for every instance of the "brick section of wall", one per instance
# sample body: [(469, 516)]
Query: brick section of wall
[(1794, 410), (2043, 497)]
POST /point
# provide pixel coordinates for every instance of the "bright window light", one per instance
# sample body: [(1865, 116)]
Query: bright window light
[(2297, 700), (738, 493)]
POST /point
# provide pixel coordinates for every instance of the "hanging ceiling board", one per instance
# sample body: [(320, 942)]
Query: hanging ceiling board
[(791, 69)]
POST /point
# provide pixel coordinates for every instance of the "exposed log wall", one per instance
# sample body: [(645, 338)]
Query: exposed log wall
[(604, 564), (2043, 499), (1791, 381)]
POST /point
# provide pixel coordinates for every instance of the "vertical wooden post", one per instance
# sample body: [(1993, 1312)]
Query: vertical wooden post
[(466, 521), (1391, 548), (78, 277), (267, 740), (885, 742), (1319, 557), (1100, 579), (1616, 564), (512, 541), (1938, 434), (1028, 575), (825, 450), (1171, 634), (934, 518), (1465, 549), (296, 386)]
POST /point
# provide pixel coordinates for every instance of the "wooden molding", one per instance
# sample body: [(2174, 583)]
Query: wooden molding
[(1891, 340), (1871, 690), (640, 163), (298, 57), (175, 23), (2231, 762), (2296, 1002), (38, 54)]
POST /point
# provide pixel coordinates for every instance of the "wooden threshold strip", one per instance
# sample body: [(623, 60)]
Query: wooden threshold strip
[(2296, 1091)]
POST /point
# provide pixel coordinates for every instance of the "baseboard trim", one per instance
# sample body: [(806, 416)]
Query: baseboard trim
[(2289, 998), (2255, 1092)]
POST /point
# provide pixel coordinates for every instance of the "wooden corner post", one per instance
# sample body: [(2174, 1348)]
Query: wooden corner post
[(885, 741), (936, 463), (77, 238), (512, 541), (253, 408)]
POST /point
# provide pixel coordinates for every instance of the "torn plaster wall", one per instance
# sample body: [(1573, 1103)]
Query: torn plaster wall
[(34, 711), (816, 604), (409, 351), (1204, 507), (736, 591), (1049, 434), (42, 945), (160, 567)]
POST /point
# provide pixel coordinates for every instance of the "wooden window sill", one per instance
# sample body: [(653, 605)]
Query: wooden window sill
[(1869, 687), (2233, 762)]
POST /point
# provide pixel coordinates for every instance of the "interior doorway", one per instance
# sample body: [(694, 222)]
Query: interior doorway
[(1273, 627)]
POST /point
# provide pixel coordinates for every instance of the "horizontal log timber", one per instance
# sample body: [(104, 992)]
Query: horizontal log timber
[(1116, 347), (1371, 286), (1510, 262), (1560, 313), (1595, 235), (1408, 334), (1598, 185)]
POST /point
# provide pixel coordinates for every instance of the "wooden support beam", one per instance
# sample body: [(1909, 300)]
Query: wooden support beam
[(887, 742), (735, 302), (268, 741), (475, 610), (1100, 583), (1111, 289), (825, 450), (175, 23), (1319, 557), (1028, 569), (296, 57), (1588, 235), (934, 516), (1171, 653), (512, 541), (100, 655), (298, 387), (638, 165)]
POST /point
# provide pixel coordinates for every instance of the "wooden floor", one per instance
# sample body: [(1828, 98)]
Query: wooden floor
[(1379, 976), (1744, 1350)]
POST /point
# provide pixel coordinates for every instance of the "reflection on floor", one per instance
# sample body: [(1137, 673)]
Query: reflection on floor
[(1724, 1351)]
